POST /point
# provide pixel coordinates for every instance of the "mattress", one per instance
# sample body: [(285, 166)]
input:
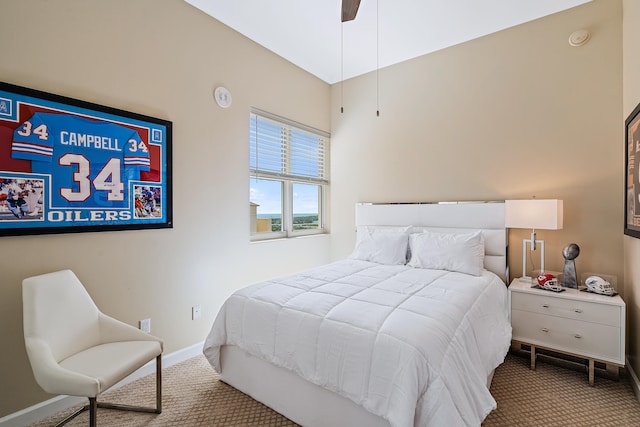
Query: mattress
[(412, 346)]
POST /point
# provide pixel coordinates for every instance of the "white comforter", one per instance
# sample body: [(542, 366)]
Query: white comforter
[(413, 346)]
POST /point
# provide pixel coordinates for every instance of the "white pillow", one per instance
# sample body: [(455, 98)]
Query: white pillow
[(384, 245), (463, 253)]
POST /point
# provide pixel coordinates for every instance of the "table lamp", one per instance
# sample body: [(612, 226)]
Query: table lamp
[(544, 214)]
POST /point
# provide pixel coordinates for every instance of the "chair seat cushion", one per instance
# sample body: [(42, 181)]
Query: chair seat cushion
[(111, 362)]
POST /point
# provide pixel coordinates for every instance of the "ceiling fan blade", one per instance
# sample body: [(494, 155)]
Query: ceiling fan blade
[(349, 9)]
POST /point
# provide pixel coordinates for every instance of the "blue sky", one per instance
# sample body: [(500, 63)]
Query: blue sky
[(267, 194)]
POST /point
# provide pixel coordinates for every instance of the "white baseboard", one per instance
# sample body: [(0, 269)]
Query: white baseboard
[(50, 407), (635, 382)]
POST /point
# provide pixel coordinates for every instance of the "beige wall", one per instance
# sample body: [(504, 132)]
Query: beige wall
[(631, 98), (511, 115), (160, 58)]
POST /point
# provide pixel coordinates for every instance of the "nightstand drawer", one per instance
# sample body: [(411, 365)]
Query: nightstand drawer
[(567, 308), (573, 336)]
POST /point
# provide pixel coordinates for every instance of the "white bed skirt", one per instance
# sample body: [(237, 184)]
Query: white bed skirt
[(285, 392)]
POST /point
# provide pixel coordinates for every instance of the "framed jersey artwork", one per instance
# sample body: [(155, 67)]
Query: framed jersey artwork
[(69, 166), (632, 175)]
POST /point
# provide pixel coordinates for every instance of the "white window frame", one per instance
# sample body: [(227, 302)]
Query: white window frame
[(287, 178)]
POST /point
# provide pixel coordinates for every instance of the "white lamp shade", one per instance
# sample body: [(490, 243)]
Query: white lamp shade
[(544, 214)]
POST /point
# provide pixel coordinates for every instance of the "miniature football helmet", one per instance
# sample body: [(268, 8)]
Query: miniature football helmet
[(598, 285), (549, 281)]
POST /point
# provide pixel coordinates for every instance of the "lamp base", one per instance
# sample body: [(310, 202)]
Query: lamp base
[(524, 256)]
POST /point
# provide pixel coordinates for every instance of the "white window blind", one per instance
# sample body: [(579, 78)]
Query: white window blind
[(282, 149)]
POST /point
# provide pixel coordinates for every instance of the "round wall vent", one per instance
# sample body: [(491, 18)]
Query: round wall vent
[(579, 38)]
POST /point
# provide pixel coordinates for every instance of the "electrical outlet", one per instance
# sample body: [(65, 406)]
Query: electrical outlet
[(196, 312), (145, 325)]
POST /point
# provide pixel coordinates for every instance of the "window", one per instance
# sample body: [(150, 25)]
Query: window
[(288, 177)]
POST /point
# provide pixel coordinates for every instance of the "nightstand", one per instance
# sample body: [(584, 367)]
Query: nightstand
[(582, 324)]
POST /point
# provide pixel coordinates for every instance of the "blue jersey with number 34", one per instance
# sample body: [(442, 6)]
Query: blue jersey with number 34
[(90, 162)]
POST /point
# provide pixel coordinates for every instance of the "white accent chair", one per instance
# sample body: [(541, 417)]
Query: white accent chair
[(76, 350)]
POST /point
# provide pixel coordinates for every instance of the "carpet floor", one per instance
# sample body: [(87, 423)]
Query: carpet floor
[(549, 396)]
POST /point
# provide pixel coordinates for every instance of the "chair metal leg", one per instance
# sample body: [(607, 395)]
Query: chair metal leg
[(94, 404), (93, 408), (159, 384), (72, 416), (156, 410)]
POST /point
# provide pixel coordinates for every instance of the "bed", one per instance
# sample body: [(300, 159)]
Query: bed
[(406, 331)]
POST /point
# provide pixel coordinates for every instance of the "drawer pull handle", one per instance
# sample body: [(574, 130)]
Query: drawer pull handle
[(578, 336), (545, 329), (577, 310), (545, 305)]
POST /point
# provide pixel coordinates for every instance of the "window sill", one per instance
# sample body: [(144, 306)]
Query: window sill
[(281, 239)]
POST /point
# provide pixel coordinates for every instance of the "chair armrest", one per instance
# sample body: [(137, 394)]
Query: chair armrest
[(52, 377), (113, 330)]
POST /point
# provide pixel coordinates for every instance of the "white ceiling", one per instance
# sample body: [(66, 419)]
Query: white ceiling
[(309, 33)]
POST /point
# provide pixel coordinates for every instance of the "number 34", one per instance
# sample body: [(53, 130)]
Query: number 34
[(108, 179)]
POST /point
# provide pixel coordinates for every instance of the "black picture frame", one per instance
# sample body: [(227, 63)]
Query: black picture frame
[(72, 166), (632, 174)]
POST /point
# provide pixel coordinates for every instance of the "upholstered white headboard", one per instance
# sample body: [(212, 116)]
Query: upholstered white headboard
[(451, 217)]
